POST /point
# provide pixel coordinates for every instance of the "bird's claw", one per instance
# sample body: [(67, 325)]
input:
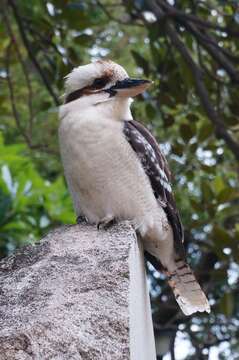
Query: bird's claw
[(81, 219), (106, 223)]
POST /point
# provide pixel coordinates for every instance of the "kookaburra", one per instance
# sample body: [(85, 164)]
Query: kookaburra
[(115, 170)]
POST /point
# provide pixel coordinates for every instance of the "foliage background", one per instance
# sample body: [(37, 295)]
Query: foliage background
[(191, 51)]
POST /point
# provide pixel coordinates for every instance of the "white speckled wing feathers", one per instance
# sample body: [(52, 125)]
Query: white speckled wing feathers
[(156, 168), (182, 281)]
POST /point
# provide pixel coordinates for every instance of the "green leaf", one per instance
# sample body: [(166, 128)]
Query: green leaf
[(218, 184), (196, 205), (227, 194), (141, 62), (186, 132), (205, 130), (227, 304), (207, 192), (168, 120), (221, 237), (150, 111), (178, 149), (84, 40)]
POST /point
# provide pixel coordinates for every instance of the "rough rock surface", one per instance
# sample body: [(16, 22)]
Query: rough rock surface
[(67, 297)]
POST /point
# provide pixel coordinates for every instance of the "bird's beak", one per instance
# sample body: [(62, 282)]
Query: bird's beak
[(129, 87)]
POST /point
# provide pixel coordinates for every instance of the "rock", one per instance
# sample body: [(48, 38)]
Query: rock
[(78, 294)]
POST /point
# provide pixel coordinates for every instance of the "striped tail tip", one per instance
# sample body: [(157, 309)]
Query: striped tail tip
[(187, 290)]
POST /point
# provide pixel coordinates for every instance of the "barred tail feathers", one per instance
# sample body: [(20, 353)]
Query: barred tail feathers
[(187, 290)]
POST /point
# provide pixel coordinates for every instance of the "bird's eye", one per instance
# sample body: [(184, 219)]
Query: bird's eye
[(99, 83)]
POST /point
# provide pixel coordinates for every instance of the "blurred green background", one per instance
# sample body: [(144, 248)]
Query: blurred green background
[(190, 49)]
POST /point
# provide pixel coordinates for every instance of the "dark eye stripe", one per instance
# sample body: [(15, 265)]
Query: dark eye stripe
[(74, 95), (99, 82)]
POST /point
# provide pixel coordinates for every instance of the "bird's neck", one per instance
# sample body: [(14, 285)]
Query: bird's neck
[(117, 108)]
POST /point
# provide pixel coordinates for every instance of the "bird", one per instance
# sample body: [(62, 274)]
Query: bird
[(116, 171)]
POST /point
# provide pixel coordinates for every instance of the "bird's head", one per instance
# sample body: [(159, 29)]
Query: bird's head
[(104, 78)]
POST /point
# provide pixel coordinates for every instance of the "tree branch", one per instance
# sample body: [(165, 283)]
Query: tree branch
[(171, 11), (12, 96), (220, 128), (108, 13), (172, 347), (214, 50), (25, 71), (219, 54), (26, 137), (30, 26), (30, 52)]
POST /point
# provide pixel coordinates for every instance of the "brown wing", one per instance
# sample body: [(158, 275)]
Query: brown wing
[(156, 167)]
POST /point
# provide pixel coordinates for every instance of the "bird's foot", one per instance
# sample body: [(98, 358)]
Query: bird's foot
[(81, 219), (106, 222)]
